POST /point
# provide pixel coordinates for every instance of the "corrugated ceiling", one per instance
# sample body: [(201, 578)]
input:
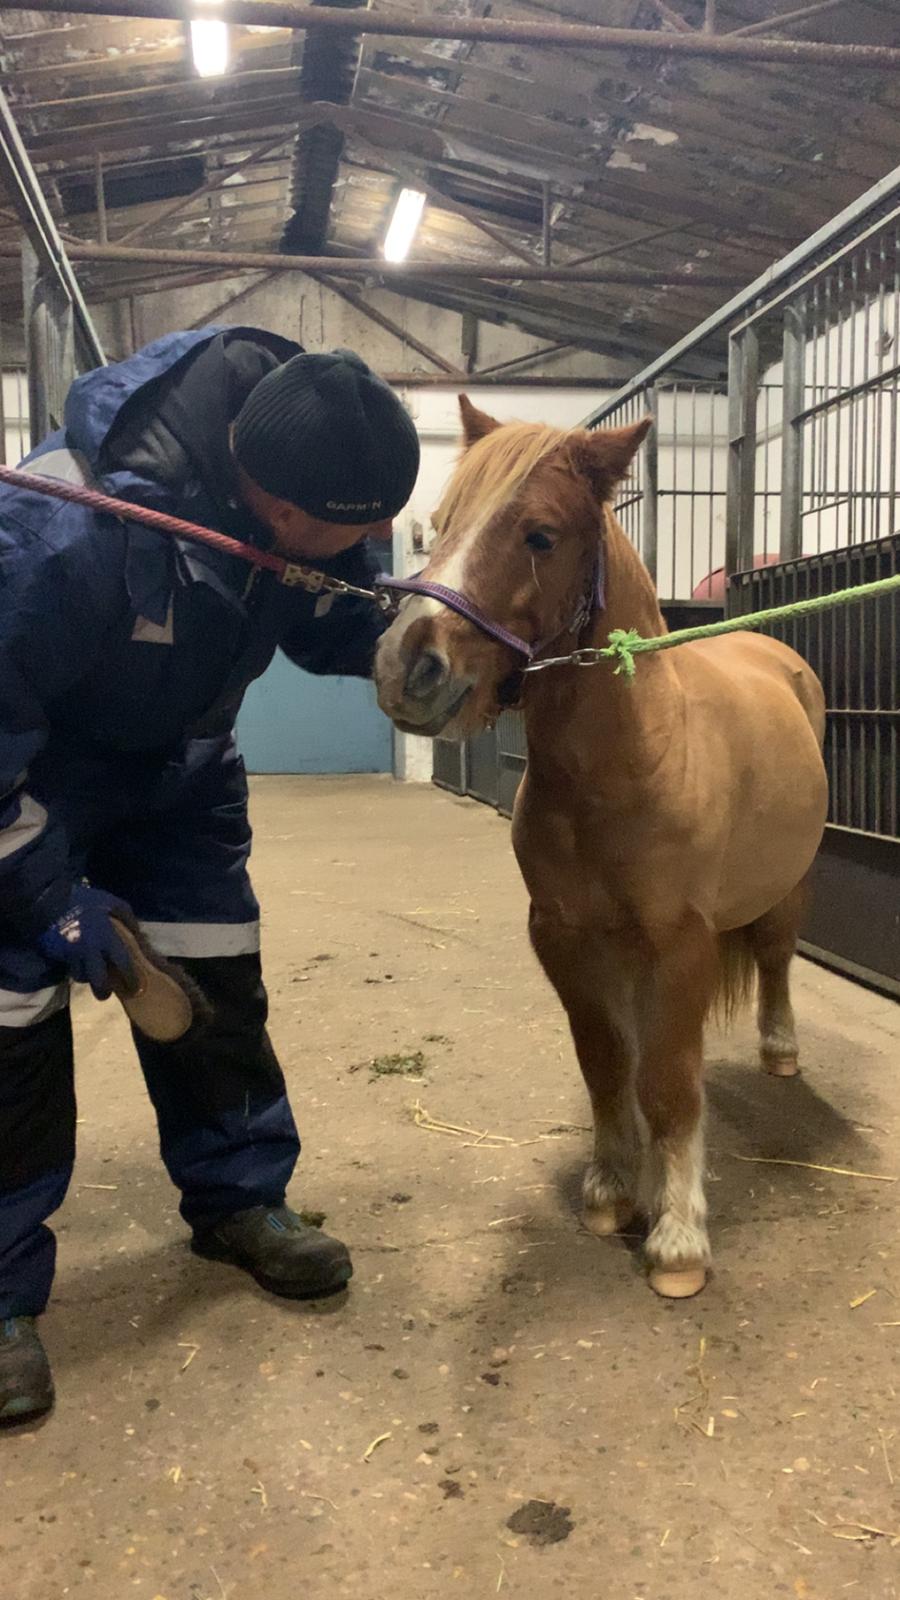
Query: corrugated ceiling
[(726, 165)]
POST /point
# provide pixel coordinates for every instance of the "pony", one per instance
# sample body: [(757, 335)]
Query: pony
[(665, 824)]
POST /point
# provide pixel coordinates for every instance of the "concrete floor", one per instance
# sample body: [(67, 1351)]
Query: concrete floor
[(546, 1425)]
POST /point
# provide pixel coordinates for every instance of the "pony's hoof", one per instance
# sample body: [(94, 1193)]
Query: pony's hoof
[(781, 1066), (608, 1219), (678, 1283)]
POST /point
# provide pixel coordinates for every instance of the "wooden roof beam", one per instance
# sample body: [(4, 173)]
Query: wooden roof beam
[(498, 30), (192, 87), (772, 24), (368, 267)]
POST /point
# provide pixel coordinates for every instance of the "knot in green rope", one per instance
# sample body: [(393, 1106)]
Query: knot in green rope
[(621, 647)]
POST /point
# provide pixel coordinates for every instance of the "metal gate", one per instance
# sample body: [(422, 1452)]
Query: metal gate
[(773, 474), (853, 921), (814, 405)]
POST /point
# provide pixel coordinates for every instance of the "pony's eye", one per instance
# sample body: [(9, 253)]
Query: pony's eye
[(540, 539)]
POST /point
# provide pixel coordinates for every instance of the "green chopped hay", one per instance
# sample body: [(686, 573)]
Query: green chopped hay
[(401, 1065)]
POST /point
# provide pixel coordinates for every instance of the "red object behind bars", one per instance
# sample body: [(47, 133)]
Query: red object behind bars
[(712, 587)]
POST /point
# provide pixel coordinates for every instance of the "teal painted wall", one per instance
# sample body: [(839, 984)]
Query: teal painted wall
[(292, 721)]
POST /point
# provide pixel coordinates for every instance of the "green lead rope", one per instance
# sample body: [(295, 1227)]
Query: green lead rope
[(626, 643)]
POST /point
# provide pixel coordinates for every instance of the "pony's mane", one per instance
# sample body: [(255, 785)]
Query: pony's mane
[(492, 471)]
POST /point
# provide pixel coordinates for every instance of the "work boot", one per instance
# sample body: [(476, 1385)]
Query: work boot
[(280, 1250), (26, 1385)]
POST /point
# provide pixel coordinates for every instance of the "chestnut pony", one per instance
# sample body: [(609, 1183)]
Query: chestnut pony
[(664, 825)]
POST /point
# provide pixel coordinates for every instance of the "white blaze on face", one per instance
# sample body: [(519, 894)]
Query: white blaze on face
[(483, 487), (449, 570), (391, 663)]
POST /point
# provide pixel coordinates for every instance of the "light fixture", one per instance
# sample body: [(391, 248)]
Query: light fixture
[(404, 224), (209, 45)]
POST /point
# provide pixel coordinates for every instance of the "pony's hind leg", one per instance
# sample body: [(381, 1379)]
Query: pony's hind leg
[(773, 940), (606, 1055), (670, 1091)]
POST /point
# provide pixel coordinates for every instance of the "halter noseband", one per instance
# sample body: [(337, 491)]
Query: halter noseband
[(593, 600)]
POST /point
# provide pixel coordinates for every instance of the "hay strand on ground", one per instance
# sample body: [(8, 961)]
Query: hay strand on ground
[(382, 1439), (482, 1138), (814, 1166)]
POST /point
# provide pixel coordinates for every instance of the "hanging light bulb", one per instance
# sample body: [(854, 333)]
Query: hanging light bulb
[(404, 224)]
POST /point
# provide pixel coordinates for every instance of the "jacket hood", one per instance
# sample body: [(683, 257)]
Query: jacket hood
[(96, 400)]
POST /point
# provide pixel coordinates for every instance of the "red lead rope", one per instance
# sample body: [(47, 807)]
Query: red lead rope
[(126, 512), (291, 573), (288, 572)]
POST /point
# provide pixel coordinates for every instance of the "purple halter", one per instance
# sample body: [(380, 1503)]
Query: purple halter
[(591, 601)]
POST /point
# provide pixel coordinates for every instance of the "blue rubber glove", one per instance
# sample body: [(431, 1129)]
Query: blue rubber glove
[(84, 939)]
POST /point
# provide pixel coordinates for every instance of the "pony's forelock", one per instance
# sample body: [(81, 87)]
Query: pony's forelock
[(491, 473)]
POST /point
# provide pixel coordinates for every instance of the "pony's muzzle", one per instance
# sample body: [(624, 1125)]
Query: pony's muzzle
[(428, 694), (418, 687)]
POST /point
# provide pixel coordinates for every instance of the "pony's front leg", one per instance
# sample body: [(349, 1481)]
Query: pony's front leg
[(604, 1041), (609, 1191), (670, 1090)]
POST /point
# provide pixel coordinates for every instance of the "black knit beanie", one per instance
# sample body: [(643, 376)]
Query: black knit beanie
[(329, 436)]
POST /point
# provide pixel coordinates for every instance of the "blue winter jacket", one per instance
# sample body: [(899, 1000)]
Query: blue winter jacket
[(120, 639)]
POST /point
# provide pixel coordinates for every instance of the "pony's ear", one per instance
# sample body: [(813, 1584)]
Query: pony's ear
[(475, 423), (605, 455)]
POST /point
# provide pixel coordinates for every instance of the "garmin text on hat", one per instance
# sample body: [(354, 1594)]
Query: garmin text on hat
[(353, 505)]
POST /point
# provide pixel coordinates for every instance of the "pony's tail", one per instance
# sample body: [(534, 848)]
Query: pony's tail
[(737, 975)]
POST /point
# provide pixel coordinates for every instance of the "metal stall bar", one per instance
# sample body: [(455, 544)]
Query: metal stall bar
[(769, 303), (780, 273), (50, 343), (793, 356), (743, 393), (650, 508), (839, 442), (60, 336), (852, 391), (450, 766), (851, 923), (26, 197)]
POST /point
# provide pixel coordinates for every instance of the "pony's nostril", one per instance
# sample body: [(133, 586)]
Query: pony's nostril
[(428, 672)]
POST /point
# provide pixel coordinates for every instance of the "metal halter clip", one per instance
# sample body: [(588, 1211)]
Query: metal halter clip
[(307, 578), (586, 656), (314, 582)]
